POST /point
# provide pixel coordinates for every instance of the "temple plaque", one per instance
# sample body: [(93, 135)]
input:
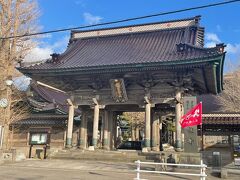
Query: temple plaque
[(190, 133)]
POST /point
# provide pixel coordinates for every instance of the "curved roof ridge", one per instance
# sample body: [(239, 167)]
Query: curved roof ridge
[(222, 115), (79, 34), (196, 18)]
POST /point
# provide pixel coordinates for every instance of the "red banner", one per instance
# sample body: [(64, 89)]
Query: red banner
[(193, 117)]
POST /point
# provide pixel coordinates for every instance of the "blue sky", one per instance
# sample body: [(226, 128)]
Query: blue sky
[(221, 23)]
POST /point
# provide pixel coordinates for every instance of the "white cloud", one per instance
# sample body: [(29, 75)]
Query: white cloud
[(91, 19), (38, 54), (212, 37), (233, 48), (43, 52), (233, 51), (210, 44), (60, 45), (211, 40)]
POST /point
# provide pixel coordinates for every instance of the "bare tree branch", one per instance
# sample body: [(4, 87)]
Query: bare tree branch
[(16, 17), (229, 99)]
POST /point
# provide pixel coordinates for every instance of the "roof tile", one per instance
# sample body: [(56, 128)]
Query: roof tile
[(131, 48)]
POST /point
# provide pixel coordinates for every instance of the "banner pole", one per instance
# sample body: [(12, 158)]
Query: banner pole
[(202, 148)]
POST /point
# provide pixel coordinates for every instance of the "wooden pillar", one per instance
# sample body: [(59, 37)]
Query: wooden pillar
[(95, 125), (106, 131), (114, 127), (160, 129), (110, 129), (147, 126), (155, 132), (83, 143), (178, 114), (70, 126), (102, 130)]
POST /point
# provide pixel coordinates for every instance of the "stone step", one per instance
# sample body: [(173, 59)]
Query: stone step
[(103, 156), (125, 156)]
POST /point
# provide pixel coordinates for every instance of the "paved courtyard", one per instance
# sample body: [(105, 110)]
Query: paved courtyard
[(82, 170)]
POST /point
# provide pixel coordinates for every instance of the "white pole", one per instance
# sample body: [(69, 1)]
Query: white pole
[(203, 171), (138, 170)]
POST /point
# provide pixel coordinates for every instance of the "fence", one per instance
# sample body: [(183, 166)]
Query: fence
[(202, 167)]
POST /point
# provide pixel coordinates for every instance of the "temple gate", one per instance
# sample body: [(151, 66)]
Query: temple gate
[(146, 67)]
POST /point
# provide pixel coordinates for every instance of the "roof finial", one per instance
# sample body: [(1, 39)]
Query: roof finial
[(197, 19), (55, 57)]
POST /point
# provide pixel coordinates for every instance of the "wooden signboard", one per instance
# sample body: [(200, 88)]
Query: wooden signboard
[(190, 133)]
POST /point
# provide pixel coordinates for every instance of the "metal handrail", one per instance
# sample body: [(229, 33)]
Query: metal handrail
[(202, 166)]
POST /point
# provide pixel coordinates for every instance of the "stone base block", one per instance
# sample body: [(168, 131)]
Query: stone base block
[(68, 146), (106, 148), (178, 150), (155, 149), (145, 149), (91, 148)]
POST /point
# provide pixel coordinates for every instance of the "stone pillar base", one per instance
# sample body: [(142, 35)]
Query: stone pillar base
[(155, 149), (106, 148), (82, 144), (178, 149), (94, 142), (145, 149), (69, 143), (106, 145), (91, 148)]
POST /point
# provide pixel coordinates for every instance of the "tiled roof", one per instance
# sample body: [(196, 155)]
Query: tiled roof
[(221, 119), (43, 120), (173, 44), (53, 99)]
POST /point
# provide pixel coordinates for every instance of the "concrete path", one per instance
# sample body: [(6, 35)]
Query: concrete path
[(82, 170)]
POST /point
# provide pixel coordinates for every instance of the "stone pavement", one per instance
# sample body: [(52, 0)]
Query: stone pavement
[(83, 170)]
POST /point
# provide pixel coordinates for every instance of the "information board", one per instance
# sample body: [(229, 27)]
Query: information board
[(38, 138)]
